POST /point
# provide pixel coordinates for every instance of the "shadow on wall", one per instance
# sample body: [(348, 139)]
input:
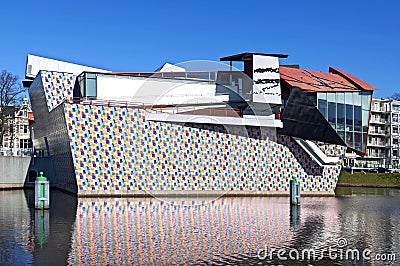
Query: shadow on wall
[(37, 165), (307, 163), (253, 132)]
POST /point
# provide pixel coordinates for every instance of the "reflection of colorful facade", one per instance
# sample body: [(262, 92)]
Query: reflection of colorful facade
[(153, 232), (102, 148)]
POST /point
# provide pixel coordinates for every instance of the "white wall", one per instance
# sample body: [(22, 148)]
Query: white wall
[(36, 63), (155, 91)]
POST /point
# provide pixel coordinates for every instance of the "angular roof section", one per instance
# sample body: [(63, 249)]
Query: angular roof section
[(315, 81), (352, 79), (36, 63), (247, 55)]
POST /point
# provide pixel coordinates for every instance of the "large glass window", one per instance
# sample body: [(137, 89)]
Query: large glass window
[(348, 113), (322, 103), (341, 116), (357, 140), (365, 100), (332, 109), (87, 85), (91, 85), (357, 118), (349, 117)]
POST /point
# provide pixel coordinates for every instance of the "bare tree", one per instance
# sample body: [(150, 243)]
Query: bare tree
[(395, 96), (11, 93)]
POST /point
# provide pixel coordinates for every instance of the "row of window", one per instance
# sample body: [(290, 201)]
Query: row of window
[(22, 129), (384, 118), (348, 113)]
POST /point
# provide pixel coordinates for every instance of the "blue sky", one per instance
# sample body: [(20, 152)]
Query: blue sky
[(360, 37)]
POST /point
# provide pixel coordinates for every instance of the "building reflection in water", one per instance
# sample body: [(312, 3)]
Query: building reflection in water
[(130, 231), (149, 231)]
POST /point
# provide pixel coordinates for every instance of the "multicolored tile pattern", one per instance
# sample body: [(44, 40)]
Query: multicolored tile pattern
[(58, 87), (117, 149), (143, 230)]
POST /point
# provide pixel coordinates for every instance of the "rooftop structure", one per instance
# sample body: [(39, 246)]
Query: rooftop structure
[(342, 101)]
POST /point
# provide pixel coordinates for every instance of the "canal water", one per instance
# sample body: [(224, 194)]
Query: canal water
[(227, 231)]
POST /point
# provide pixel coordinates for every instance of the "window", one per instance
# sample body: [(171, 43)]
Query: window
[(349, 114), (23, 129), (322, 103), (357, 118), (396, 107), (24, 143), (91, 90), (349, 117)]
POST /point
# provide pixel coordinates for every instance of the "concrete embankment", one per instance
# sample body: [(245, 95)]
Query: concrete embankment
[(13, 171)]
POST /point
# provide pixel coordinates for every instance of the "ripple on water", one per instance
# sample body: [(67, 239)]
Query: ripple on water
[(227, 231)]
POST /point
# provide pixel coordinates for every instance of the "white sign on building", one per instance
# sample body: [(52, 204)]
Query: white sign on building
[(266, 87)]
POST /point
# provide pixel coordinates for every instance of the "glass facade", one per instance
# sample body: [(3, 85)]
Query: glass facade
[(348, 113), (87, 85)]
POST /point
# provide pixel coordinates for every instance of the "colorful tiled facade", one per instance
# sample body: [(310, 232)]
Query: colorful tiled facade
[(58, 87), (115, 149)]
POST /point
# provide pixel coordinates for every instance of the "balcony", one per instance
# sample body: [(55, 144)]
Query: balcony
[(377, 132), (376, 144), (377, 121), (392, 145), (379, 109), (375, 155)]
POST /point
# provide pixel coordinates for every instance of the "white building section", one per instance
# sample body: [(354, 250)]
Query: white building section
[(266, 88), (154, 91), (216, 120), (36, 63)]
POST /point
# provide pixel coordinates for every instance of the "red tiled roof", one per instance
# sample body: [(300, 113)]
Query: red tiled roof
[(352, 79), (315, 81), (30, 116)]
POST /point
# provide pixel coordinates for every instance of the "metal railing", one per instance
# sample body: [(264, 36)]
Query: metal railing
[(15, 152), (381, 121), (382, 109), (192, 110), (375, 155), (381, 132), (376, 143)]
